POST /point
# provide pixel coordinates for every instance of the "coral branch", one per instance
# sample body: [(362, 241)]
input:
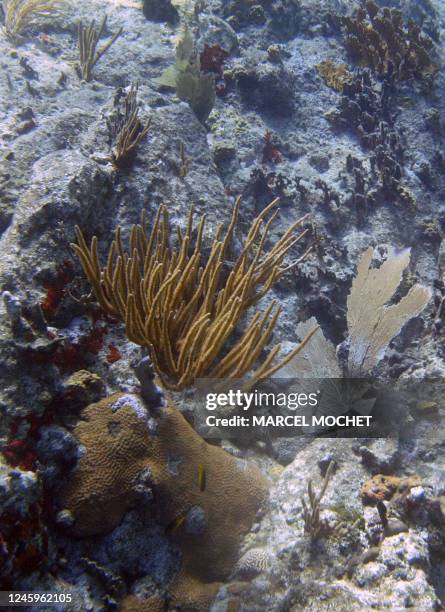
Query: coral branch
[(89, 55), (183, 310), (23, 14)]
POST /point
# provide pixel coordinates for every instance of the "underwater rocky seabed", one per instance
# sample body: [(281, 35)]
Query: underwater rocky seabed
[(268, 135)]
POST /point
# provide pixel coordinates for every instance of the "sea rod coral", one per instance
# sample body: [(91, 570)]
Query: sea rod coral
[(23, 14), (128, 129), (89, 54), (184, 311)]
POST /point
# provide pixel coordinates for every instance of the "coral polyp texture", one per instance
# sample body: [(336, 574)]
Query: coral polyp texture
[(122, 450), (184, 310), (381, 39)]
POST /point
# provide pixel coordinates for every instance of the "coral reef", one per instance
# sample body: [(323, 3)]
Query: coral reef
[(260, 79)]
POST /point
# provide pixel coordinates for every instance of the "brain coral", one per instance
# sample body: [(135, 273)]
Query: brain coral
[(119, 446), (116, 446)]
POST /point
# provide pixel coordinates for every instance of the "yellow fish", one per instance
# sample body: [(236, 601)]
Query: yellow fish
[(201, 477), (175, 524), (427, 407)]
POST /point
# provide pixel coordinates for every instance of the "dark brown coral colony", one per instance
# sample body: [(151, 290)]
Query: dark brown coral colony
[(380, 39)]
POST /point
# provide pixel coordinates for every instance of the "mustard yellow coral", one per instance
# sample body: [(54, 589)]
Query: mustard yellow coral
[(184, 310), (334, 75), (117, 444)]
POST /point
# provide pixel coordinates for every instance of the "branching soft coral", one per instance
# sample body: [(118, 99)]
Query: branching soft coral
[(184, 310), (89, 53), (23, 14), (129, 130)]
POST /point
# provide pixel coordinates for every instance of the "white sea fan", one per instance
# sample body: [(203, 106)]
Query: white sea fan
[(372, 324), (316, 360)]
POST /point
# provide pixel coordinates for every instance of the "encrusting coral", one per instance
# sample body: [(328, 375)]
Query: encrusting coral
[(383, 487), (119, 447), (185, 313), (335, 76)]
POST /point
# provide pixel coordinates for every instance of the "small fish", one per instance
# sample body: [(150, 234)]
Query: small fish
[(201, 477), (427, 407), (175, 524)]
